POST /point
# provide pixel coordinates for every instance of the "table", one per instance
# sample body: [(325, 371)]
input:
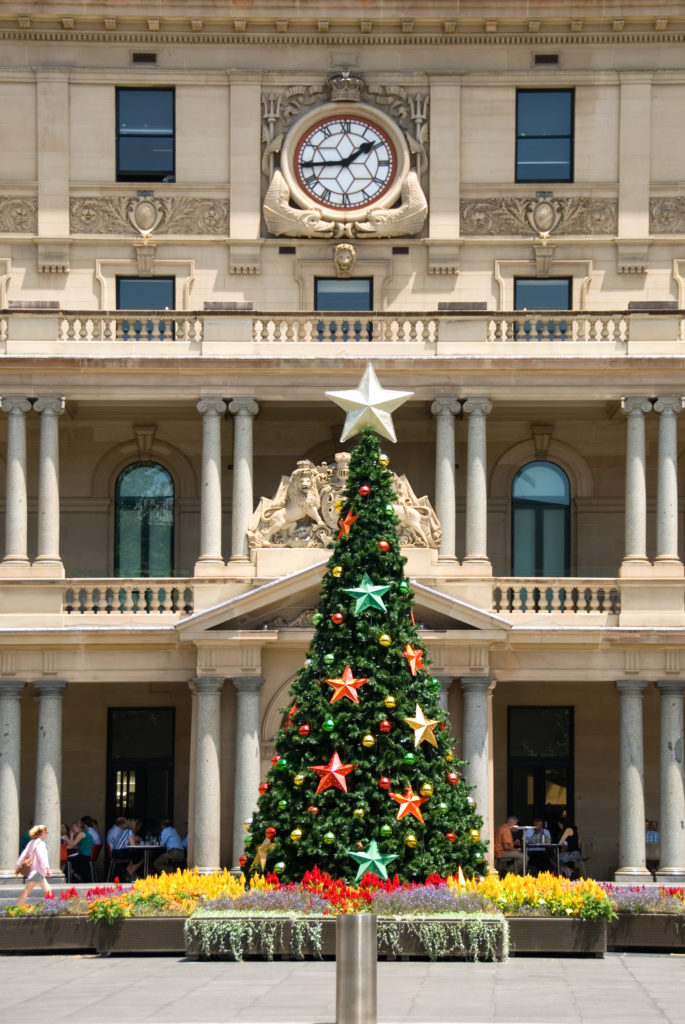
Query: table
[(548, 846), (150, 852)]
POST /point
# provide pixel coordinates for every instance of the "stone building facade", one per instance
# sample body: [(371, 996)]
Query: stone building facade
[(212, 214)]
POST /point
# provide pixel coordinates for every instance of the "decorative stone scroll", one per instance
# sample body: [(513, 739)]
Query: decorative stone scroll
[(164, 215), (518, 215), (18, 215), (303, 513)]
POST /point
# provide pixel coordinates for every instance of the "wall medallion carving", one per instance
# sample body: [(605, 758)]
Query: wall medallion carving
[(163, 215), (518, 215), (667, 216), (18, 215), (302, 513)]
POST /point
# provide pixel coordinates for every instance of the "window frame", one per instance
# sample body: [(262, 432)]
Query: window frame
[(168, 175), (571, 139)]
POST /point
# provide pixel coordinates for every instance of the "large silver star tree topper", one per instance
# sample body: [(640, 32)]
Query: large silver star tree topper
[(369, 405)]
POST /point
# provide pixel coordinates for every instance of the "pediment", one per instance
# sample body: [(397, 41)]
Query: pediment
[(289, 602)]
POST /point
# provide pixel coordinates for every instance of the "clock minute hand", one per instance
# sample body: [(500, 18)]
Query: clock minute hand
[(365, 147)]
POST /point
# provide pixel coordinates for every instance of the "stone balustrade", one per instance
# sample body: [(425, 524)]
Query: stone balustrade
[(559, 327), (142, 326), (127, 597), (576, 597), (337, 329)]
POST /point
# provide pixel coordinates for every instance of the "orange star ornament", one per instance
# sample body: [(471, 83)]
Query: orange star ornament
[(346, 686), (409, 803), (332, 774), (346, 524), (413, 656)]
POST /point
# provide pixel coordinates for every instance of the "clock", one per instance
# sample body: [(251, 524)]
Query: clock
[(345, 158)]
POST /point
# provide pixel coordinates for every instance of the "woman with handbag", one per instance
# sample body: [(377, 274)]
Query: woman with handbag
[(33, 863)]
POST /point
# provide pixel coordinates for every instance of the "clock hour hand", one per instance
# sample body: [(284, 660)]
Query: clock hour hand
[(365, 147)]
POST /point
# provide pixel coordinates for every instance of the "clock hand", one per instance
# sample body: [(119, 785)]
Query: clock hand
[(365, 147)]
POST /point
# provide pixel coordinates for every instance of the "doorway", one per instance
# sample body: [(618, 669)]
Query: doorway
[(140, 765)]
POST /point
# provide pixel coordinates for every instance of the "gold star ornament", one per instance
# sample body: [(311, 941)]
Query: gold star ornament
[(369, 405), (423, 728)]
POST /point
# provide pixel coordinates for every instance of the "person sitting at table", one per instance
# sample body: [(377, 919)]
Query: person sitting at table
[(79, 845), (508, 855), (121, 851), (174, 855), (537, 839), (570, 851)]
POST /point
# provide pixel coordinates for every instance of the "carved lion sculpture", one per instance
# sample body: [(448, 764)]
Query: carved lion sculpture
[(297, 501)]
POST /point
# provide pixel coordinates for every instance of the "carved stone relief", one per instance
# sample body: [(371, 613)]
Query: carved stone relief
[(164, 215), (667, 216), (18, 214), (303, 513), (517, 215)]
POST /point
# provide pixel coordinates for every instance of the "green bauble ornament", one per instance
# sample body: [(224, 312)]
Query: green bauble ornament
[(329, 837), (403, 587), (436, 685), (248, 841), (409, 757), (386, 830), (328, 725), (317, 617), (282, 805), (283, 763), (329, 658), (442, 807), (389, 510), (279, 867)]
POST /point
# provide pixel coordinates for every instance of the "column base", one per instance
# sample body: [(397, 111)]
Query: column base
[(635, 567), (629, 875), (667, 566), (49, 568), (12, 568), (476, 565), (207, 871), (669, 876), (209, 567)]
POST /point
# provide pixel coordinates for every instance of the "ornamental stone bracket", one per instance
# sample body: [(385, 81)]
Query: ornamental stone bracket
[(145, 215), (632, 256), (443, 257), (245, 257), (53, 255), (521, 216)]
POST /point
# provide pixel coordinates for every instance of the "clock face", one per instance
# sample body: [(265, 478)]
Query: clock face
[(345, 162)]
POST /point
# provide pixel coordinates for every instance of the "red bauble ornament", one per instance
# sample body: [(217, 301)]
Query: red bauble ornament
[(242, 860), (270, 832), (450, 837), (452, 778), (384, 782), (263, 787), (364, 491), (383, 545), (313, 810), (275, 759), (384, 726), (304, 730), (443, 725), (337, 618)]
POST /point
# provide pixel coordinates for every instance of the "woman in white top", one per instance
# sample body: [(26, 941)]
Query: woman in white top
[(40, 868)]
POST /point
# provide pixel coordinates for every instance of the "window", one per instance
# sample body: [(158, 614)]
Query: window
[(544, 135), (140, 765), (145, 135), (538, 293), (540, 769), (144, 521), (146, 293), (540, 521), (340, 295)]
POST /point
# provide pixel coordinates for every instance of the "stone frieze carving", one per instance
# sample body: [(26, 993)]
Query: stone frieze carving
[(667, 215), (519, 215), (18, 214), (303, 513), (164, 215)]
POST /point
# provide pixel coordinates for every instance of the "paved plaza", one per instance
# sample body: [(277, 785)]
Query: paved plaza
[(91, 989)]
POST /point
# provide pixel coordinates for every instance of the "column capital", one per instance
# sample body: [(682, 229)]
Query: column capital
[(671, 687), (669, 403), (50, 687), (12, 688), (446, 406), (247, 684), (207, 684), (479, 406), (243, 407), (631, 687), (211, 405), (478, 684), (635, 405), (15, 404), (50, 403)]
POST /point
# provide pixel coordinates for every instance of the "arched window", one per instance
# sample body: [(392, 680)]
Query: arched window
[(144, 521), (540, 521)]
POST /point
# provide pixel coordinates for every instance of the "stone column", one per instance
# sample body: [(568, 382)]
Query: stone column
[(444, 410), (16, 525), (635, 556), (207, 775), (477, 691), (443, 696), (476, 554), (211, 558), (667, 483), (10, 758), (247, 764), (243, 410), (47, 805), (672, 806), (631, 789), (48, 484)]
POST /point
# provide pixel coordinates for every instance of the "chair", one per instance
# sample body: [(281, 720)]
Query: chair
[(586, 853), (64, 861), (94, 854)]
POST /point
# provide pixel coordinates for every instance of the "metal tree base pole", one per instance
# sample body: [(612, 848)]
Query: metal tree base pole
[(355, 969)]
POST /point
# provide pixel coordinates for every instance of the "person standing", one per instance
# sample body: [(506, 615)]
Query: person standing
[(40, 868)]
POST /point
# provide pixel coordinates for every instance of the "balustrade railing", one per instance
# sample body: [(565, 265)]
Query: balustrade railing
[(558, 327), (127, 597), (143, 326), (556, 596), (319, 329)]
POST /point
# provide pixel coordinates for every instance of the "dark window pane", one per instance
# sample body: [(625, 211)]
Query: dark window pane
[(540, 540), (144, 522), (145, 134), (546, 113), (146, 293), (349, 295), (544, 135), (141, 733), (523, 553), (542, 293), (138, 156), (553, 541), (543, 159), (540, 732), (541, 481), (146, 110)]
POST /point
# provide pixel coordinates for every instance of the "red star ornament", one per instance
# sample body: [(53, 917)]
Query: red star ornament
[(409, 803), (346, 524), (346, 686), (332, 774), (413, 656)]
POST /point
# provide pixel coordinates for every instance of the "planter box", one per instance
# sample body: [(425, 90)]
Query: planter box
[(647, 931), (141, 935), (46, 934), (562, 935)]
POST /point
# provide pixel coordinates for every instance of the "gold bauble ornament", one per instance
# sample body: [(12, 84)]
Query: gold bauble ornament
[(475, 835), (296, 835), (426, 789), (336, 571), (384, 460), (390, 701), (385, 639), (368, 740), (358, 812), (298, 779), (339, 505), (247, 824), (449, 756), (411, 840)]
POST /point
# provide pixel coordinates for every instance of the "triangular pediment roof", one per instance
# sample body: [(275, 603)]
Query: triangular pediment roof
[(284, 603)]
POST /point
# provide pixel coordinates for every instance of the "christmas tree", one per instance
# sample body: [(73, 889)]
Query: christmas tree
[(365, 777)]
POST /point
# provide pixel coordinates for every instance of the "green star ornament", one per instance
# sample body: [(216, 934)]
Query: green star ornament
[(372, 860), (367, 595)]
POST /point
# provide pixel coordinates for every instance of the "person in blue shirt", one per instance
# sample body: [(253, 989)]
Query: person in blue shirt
[(174, 855)]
